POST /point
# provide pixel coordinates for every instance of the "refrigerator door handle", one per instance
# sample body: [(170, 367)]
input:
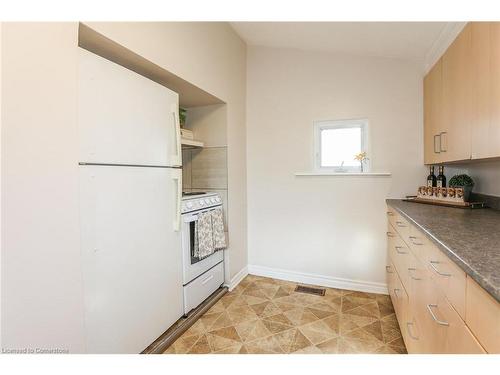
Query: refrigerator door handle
[(177, 177), (176, 158)]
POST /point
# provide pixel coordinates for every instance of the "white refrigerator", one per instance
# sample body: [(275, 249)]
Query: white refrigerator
[(130, 187)]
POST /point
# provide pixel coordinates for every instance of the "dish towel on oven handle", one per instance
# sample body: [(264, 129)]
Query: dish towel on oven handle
[(204, 235), (218, 229)]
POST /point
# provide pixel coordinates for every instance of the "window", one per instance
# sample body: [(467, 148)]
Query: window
[(337, 143)]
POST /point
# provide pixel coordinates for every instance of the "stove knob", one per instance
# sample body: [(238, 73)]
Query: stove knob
[(213, 200), (202, 203), (189, 205), (217, 200), (207, 201)]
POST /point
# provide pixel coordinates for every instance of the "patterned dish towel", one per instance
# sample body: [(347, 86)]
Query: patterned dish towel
[(218, 229), (204, 234)]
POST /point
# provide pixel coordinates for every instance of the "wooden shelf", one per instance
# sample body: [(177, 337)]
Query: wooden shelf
[(191, 143)]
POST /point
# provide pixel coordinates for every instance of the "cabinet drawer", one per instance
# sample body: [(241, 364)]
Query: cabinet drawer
[(399, 298), (400, 224), (447, 275), (442, 330), (201, 287), (457, 337), (401, 257), (483, 316)]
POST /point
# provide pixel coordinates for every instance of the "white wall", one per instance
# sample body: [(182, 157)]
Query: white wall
[(485, 173), (211, 56), (329, 226)]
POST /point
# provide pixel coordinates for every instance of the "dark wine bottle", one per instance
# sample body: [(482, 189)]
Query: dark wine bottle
[(441, 178), (431, 178)]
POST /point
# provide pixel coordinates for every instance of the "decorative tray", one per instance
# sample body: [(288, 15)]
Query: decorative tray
[(436, 202)]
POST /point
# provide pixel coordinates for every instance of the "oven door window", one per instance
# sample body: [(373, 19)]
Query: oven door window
[(192, 242)]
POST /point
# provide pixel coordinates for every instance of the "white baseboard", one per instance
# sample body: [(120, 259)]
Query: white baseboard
[(320, 280), (236, 279)]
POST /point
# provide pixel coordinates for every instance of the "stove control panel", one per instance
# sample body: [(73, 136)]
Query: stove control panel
[(198, 202)]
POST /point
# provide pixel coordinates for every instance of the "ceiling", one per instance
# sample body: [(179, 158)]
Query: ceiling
[(405, 40)]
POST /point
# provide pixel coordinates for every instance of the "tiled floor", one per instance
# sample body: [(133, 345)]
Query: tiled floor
[(263, 315)]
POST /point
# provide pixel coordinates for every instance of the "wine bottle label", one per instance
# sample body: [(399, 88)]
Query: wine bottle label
[(429, 183), (439, 183)]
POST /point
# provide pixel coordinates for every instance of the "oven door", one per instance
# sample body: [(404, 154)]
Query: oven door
[(192, 266)]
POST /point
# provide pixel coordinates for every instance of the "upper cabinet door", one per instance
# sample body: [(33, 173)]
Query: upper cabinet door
[(125, 118), (494, 130), (433, 114), (457, 99), (482, 84)]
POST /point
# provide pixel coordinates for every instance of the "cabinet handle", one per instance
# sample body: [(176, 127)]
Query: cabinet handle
[(432, 263), (412, 239), (400, 252), (177, 177), (410, 270), (396, 290), (443, 141), (440, 322), (400, 224), (437, 149), (390, 234), (387, 268), (390, 213), (408, 324), (176, 159)]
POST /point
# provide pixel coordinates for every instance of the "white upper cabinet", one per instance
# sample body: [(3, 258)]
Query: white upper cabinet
[(125, 118)]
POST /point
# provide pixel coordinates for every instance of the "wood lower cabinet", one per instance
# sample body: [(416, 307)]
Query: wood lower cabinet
[(439, 308)]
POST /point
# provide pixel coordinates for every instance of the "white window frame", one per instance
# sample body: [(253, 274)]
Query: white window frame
[(341, 124)]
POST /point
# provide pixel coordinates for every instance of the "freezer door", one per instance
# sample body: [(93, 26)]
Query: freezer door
[(125, 118), (131, 255)]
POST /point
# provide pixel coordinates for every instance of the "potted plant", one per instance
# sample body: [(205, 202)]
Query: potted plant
[(182, 117), (462, 181)]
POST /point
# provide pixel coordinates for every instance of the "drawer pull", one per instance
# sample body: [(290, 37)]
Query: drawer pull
[(398, 248), (412, 239), (400, 224), (390, 213), (440, 322), (387, 268), (390, 234), (432, 263), (410, 270), (396, 290), (408, 324), (207, 279)]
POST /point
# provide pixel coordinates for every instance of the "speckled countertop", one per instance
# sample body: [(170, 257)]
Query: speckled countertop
[(471, 238)]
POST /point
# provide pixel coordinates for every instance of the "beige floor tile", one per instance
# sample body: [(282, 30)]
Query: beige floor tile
[(318, 331), (292, 340), (201, 346), (263, 315), (300, 316), (266, 345), (251, 330), (329, 346)]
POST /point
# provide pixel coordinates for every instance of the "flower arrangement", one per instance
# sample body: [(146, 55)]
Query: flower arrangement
[(362, 158)]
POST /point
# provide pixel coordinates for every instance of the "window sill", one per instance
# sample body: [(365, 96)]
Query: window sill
[(344, 174)]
